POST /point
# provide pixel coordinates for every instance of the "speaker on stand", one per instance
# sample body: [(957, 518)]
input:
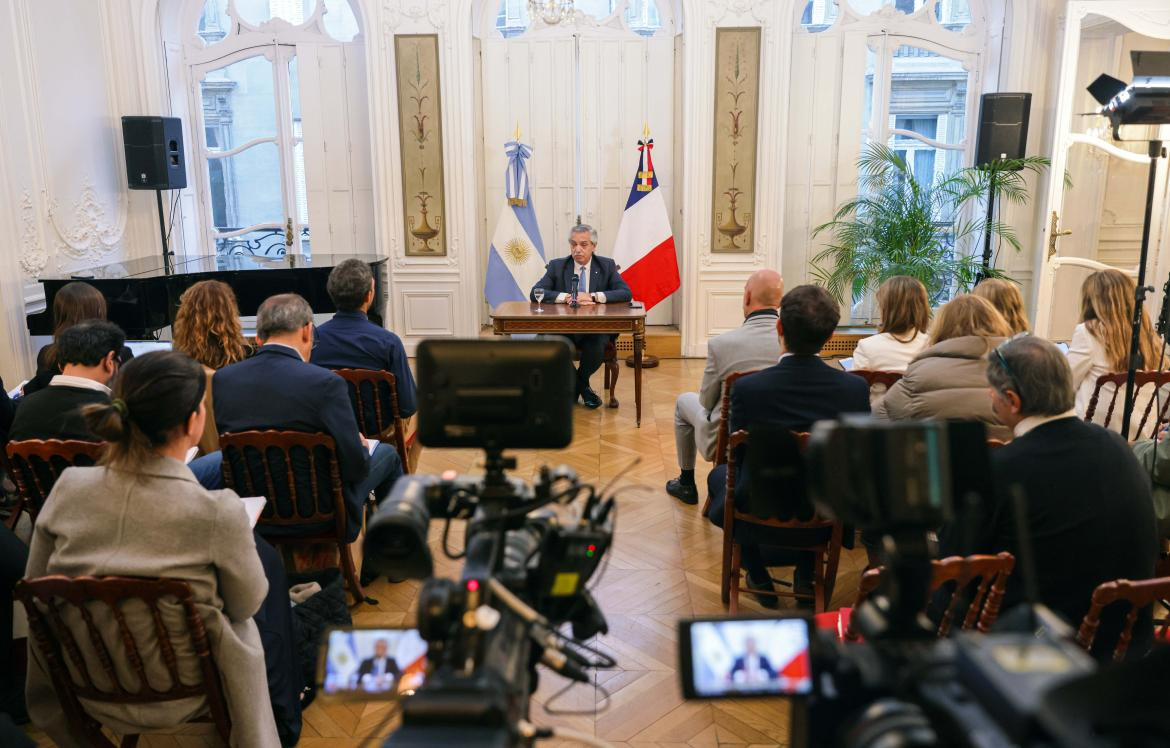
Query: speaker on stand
[(155, 161), (1003, 136)]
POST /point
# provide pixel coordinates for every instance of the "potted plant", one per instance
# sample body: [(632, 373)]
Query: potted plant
[(898, 225)]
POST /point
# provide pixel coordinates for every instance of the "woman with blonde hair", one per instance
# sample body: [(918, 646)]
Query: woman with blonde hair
[(207, 328), (902, 334), (1100, 343), (1005, 296), (948, 380)]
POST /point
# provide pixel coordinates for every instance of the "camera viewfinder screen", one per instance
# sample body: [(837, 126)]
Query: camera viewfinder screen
[(758, 657), (373, 663)]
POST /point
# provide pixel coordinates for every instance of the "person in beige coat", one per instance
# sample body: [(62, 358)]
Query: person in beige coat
[(948, 380), (142, 513)]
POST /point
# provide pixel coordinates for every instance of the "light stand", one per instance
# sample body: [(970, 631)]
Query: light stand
[(1155, 153), (168, 255)]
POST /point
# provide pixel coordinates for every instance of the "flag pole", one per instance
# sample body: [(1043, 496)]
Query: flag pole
[(649, 360)]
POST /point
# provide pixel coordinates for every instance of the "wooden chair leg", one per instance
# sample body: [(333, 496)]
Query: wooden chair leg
[(734, 587), (613, 368), (819, 585), (725, 571), (350, 574), (832, 563)]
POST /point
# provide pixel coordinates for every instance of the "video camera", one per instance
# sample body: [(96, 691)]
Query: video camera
[(525, 567)]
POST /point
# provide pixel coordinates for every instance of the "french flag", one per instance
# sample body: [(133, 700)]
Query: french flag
[(644, 247)]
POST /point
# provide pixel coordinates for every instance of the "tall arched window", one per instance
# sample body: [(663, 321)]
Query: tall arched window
[(245, 71)]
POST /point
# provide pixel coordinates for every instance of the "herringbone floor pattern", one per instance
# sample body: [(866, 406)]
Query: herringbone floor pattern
[(664, 565)]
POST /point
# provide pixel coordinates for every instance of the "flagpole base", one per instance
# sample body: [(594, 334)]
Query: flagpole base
[(649, 361)]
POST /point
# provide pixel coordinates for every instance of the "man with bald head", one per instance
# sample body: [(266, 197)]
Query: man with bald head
[(749, 347)]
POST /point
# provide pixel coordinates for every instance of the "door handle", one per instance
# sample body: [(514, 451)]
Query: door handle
[(288, 233), (1054, 234)]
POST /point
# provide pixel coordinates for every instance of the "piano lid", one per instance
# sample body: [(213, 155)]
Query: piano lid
[(153, 267)]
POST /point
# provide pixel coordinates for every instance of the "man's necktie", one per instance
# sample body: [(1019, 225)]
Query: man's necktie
[(582, 286)]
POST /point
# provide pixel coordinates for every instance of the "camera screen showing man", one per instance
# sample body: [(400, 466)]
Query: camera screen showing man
[(372, 663), (746, 657)]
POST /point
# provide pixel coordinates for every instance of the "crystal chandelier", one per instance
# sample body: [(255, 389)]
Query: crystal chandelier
[(550, 11)]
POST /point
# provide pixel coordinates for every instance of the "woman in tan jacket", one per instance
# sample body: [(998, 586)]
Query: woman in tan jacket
[(207, 328), (948, 380), (142, 513)]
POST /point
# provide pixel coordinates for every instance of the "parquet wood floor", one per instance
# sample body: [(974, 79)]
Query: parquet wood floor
[(664, 565)]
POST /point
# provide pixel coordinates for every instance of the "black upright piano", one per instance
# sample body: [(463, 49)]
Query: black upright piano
[(142, 295)]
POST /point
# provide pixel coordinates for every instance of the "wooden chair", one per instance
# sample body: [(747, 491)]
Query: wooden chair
[(374, 396), (721, 434), (299, 475), (1158, 379), (827, 552), (35, 465), (1137, 594), (65, 653), (983, 609)]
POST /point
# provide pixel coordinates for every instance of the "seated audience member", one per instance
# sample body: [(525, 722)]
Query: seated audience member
[(278, 388), (207, 328), (74, 302), (141, 513), (1089, 511), (792, 394), (88, 353), (1154, 457), (7, 412), (902, 334), (1005, 296), (751, 346), (351, 341), (598, 282), (948, 380), (1100, 345), (13, 558)]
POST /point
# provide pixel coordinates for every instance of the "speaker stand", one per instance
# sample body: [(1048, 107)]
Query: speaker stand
[(986, 270), (168, 255)]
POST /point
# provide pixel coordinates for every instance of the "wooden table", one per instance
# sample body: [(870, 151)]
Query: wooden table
[(560, 319)]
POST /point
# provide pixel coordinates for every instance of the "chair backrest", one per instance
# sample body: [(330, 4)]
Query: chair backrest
[(1137, 594), (1158, 379), (36, 465), (992, 573), (721, 436), (734, 514), (73, 621), (296, 472), (374, 396), (875, 377)]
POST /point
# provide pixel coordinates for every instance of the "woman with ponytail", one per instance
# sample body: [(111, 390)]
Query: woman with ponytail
[(142, 513)]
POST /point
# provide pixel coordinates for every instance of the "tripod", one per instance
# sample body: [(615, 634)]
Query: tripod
[(1156, 152)]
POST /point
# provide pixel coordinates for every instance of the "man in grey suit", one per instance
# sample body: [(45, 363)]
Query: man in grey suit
[(754, 345)]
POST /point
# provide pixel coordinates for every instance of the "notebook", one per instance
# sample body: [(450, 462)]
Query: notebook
[(253, 505)]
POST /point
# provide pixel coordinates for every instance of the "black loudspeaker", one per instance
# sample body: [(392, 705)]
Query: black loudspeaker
[(1003, 127), (154, 153)]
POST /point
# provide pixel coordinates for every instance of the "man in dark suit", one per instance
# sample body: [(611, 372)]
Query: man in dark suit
[(279, 389), (351, 341), (88, 355), (379, 666), (795, 393), (755, 667), (1089, 512), (597, 281)]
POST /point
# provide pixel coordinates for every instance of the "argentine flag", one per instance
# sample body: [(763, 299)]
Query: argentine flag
[(516, 260)]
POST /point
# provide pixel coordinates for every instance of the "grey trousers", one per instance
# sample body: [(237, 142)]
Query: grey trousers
[(693, 432)]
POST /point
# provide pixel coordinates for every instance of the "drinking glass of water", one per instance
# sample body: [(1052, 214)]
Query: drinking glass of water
[(539, 294)]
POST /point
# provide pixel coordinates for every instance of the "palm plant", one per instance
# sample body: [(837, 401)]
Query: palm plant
[(898, 225)]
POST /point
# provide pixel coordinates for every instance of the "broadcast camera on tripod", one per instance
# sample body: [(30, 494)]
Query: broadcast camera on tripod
[(525, 571)]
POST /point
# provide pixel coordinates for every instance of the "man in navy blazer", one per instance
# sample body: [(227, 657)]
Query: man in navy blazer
[(278, 389), (351, 341), (795, 393), (597, 282)]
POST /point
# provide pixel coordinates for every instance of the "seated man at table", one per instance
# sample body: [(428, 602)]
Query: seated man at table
[(795, 393), (278, 388), (596, 282), (88, 354), (749, 347), (351, 341)]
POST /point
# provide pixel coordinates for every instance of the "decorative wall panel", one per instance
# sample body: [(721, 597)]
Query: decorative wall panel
[(737, 96), (420, 128)]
